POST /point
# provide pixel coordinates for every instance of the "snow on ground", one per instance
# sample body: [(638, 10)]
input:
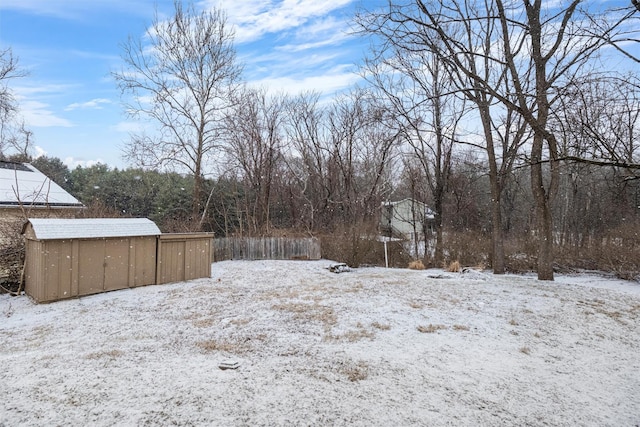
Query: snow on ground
[(371, 347)]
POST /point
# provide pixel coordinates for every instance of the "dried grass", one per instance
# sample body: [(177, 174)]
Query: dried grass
[(416, 265), (352, 336), (204, 323), (355, 335), (355, 371), (454, 267), (309, 313), (235, 345), (381, 326), (430, 328), (112, 354)]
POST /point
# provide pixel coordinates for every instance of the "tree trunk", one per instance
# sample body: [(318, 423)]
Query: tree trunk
[(497, 236), (197, 195), (543, 212)]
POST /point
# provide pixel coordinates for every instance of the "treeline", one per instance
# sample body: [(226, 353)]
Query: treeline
[(597, 209)]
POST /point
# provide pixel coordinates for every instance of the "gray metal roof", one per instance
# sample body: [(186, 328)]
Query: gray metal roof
[(90, 228), (21, 183)]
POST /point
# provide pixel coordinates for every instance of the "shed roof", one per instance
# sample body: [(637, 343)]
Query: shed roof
[(91, 228), (22, 183)]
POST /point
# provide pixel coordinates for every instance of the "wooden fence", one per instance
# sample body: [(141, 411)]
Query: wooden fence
[(266, 248)]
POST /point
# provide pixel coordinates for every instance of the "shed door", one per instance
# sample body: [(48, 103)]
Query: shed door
[(103, 265), (91, 266)]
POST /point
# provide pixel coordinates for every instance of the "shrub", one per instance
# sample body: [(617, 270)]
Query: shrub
[(468, 247), (416, 265), (11, 255), (358, 245), (454, 267)]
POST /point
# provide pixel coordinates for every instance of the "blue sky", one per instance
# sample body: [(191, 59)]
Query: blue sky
[(69, 47)]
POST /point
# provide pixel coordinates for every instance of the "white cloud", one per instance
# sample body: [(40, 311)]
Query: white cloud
[(38, 114), (282, 62), (257, 18), (27, 91), (128, 127), (40, 152), (326, 83), (93, 104), (323, 32), (329, 41), (73, 163)]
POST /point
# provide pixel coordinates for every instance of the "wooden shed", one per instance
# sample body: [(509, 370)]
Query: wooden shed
[(66, 258)]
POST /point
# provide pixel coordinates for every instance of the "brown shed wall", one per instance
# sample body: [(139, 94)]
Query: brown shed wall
[(58, 269), (184, 257)]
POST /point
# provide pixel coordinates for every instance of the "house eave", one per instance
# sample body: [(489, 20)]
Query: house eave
[(15, 205)]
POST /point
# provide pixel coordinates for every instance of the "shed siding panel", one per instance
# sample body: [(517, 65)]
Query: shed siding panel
[(184, 257), (59, 278), (116, 264), (172, 266), (143, 261), (75, 260), (34, 270), (91, 267), (195, 252), (197, 260)]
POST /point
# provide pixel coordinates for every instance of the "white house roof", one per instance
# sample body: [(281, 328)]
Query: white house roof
[(22, 183), (90, 228)]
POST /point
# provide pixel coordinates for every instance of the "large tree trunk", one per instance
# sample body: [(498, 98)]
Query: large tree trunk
[(439, 249), (544, 218), (197, 190), (497, 236)]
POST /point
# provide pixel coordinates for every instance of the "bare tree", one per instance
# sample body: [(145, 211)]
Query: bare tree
[(361, 144), (180, 75), (413, 87), (535, 49), (307, 160), (338, 158), (599, 129), (9, 69), (255, 144), (600, 123), (15, 138)]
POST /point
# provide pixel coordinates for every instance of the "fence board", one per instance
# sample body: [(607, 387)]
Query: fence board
[(266, 248)]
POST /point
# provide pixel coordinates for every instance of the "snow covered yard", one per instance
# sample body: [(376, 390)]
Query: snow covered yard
[(369, 347)]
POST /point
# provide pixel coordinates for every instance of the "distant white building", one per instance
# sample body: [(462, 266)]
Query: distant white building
[(408, 218)]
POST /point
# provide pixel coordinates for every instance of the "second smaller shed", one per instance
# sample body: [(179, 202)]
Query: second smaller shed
[(67, 258)]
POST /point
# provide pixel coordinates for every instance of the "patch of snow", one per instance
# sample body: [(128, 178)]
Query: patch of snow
[(375, 347)]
